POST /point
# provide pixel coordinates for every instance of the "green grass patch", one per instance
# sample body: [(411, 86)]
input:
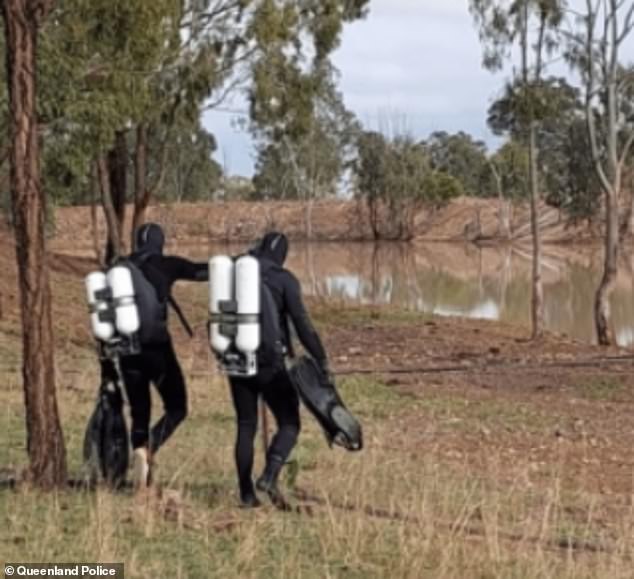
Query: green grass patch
[(601, 389), (370, 398), (328, 314)]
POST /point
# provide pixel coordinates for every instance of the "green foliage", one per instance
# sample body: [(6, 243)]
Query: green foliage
[(568, 179), (396, 178), (441, 187), (98, 63), (191, 173), (511, 164), (107, 66), (501, 24), (463, 158), (310, 163), (297, 116), (551, 99)]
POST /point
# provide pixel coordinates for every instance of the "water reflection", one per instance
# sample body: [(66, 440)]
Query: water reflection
[(450, 280)]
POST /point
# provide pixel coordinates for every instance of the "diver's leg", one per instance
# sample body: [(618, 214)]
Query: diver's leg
[(282, 399), (245, 401), (136, 381), (170, 383)]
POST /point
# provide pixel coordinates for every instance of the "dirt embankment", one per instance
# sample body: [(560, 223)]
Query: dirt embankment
[(464, 219)]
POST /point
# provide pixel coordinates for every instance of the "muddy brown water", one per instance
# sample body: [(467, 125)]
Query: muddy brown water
[(460, 280)]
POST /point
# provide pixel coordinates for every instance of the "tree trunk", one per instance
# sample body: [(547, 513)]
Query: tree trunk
[(504, 225), (610, 178), (373, 216), (605, 335), (45, 441), (94, 184), (117, 162), (630, 220), (537, 301), (309, 218), (141, 193), (114, 239)]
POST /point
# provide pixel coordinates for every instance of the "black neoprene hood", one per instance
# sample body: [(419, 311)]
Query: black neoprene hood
[(273, 246), (150, 238)]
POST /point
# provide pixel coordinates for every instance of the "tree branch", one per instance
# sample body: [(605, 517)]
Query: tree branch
[(627, 26), (590, 89), (114, 234), (151, 191)]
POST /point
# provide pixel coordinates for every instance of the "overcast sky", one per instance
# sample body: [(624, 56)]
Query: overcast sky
[(416, 63)]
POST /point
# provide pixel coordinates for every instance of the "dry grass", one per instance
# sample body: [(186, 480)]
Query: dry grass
[(409, 505), (394, 510)]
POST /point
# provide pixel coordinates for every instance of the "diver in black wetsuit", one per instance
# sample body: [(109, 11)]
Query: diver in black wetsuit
[(272, 382), (157, 362)]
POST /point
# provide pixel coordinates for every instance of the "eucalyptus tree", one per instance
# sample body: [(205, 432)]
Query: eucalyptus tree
[(303, 130), (311, 163), (140, 71), (462, 157), (395, 178), (504, 26), (596, 36), (23, 20)]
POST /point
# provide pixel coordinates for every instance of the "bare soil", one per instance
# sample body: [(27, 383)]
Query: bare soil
[(560, 405), (464, 219)]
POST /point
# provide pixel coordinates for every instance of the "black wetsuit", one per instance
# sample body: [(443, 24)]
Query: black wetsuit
[(273, 384), (157, 362)]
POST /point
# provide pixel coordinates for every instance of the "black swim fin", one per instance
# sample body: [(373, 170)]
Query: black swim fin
[(323, 401)]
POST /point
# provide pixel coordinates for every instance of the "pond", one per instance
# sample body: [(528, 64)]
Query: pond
[(462, 280)]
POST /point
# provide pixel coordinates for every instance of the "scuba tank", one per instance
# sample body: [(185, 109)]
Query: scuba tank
[(125, 308), (97, 292), (220, 290), (114, 314), (234, 313), (248, 298)]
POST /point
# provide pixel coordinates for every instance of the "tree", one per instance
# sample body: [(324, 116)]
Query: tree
[(294, 105), (568, 180), (508, 169), (309, 164), (97, 63), (501, 26), (463, 158), (395, 178), (190, 172), (5, 148), (171, 57), (45, 442), (595, 50)]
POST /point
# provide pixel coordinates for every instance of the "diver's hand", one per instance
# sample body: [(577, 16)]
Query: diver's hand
[(325, 368)]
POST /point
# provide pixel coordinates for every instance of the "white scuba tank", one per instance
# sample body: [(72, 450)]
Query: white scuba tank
[(126, 312), (247, 280), (221, 270), (96, 282)]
